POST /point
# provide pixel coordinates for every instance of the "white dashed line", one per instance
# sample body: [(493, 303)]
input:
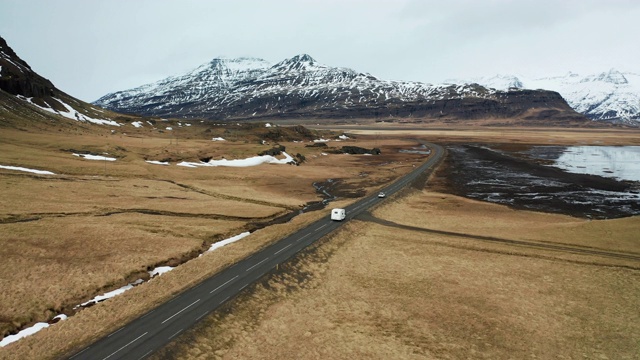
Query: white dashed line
[(228, 281), (172, 336), (145, 355), (115, 332), (129, 343), (281, 250), (172, 316), (257, 264), (85, 349)]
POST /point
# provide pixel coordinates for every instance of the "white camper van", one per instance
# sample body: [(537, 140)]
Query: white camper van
[(338, 214)]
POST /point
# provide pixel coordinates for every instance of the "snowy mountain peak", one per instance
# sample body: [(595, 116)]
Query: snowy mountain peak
[(301, 87), (302, 62), (613, 76), (608, 96)]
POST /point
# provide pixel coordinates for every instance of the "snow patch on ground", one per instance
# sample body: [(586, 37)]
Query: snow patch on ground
[(252, 161), (137, 124), (157, 162), (110, 294), (228, 241), (71, 113), (160, 270), (218, 139), (95, 157), (18, 168)]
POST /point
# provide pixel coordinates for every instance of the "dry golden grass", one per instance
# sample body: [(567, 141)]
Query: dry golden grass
[(378, 292), (99, 320), (520, 135), (95, 225)]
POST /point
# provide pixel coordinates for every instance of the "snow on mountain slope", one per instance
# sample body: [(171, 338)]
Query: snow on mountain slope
[(607, 96), (23, 86), (302, 87)]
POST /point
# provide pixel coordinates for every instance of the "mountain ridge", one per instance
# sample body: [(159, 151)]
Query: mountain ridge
[(609, 96), (302, 87)]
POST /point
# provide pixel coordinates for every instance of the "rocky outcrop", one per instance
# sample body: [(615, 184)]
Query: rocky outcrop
[(17, 78)]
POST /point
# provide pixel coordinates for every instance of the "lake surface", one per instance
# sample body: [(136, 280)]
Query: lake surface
[(619, 162), (567, 180)]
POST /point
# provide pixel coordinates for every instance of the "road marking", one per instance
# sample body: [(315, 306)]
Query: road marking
[(171, 317), (281, 250), (147, 314), (201, 316), (85, 349), (303, 237), (320, 227), (257, 264), (129, 343), (178, 332), (225, 299), (242, 288), (115, 331), (228, 281), (145, 355)]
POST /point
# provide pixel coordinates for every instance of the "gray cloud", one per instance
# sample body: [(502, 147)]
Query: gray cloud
[(89, 48)]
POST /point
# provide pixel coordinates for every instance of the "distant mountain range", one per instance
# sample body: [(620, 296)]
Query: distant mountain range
[(612, 96), (300, 87)]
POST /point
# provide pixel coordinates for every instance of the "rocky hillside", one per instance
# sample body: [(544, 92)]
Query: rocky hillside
[(300, 87), (24, 94), (610, 96)]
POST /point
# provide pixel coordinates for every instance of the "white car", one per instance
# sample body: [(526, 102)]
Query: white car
[(381, 194)]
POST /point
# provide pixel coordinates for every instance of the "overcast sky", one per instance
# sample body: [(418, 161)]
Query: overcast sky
[(90, 48)]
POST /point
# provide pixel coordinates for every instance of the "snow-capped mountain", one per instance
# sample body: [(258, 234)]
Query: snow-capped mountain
[(23, 91), (302, 87), (607, 96)]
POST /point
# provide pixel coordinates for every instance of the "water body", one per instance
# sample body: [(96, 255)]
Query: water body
[(619, 162), (531, 179)]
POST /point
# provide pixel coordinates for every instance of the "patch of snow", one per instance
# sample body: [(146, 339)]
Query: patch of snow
[(71, 113), (218, 139), (321, 140), (95, 157), (157, 162), (137, 124), (228, 241), (324, 154), (267, 125), (252, 161), (17, 168), (110, 294), (160, 270), (24, 333), (343, 137), (169, 128)]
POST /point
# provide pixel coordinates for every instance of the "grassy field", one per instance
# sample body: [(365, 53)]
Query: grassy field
[(378, 292), (97, 225), (418, 279)]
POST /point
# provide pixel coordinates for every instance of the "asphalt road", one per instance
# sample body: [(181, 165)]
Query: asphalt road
[(148, 333)]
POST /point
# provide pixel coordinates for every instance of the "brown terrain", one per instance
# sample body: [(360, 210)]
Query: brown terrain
[(433, 275), (427, 274)]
